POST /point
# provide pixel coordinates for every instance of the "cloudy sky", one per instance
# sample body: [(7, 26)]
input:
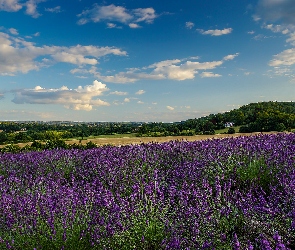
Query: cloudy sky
[(139, 60)]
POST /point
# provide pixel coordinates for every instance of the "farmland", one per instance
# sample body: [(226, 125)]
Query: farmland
[(125, 140), (222, 193)]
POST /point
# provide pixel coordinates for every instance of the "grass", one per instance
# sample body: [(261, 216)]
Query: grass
[(224, 130), (104, 136)]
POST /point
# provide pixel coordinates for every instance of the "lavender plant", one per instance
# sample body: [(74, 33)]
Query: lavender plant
[(232, 193)]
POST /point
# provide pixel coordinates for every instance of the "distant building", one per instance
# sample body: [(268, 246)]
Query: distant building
[(229, 124)]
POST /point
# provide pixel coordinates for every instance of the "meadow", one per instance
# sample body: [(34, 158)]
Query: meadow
[(226, 193)]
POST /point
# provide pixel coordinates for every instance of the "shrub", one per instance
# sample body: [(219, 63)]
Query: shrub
[(231, 131)]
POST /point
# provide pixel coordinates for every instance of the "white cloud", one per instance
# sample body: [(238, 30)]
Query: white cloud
[(147, 15), (209, 74), (277, 28), (140, 102), (81, 98), (18, 55), (31, 6), (277, 10), (119, 93), (140, 92), (126, 100), (176, 69), (189, 25), (285, 58), (16, 5), (117, 14), (291, 39), (278, 16), (111, 25), (109, 13), (10, 5), (230, 57), (215, 32), (134, 25), (169, 107), (13, 31), (56, 9)]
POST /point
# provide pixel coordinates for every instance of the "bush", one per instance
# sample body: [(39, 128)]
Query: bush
[(244, 129), (231, 131)]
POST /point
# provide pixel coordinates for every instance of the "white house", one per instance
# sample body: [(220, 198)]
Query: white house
[(229, 124)]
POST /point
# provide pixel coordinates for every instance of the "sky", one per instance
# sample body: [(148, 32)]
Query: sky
[(138, 60)]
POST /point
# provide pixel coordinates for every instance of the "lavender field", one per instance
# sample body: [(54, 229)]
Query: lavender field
[(231, 193)]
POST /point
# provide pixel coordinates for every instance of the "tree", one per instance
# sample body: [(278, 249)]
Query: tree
[(280, 127), (3, 137), (231, 131)]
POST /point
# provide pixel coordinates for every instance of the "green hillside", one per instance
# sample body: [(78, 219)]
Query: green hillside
[(254, 117)]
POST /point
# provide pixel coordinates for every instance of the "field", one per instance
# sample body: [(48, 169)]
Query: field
[(221, 193), (126, 140)]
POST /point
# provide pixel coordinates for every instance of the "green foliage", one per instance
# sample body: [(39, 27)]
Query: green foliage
[(90, 145), (67, 238), (258, 173), (254, 117), (11, 148), (244, 129), (3, 137), (231, 131)]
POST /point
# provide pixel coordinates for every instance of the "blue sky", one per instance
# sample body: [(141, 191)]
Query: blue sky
[(141, 60)]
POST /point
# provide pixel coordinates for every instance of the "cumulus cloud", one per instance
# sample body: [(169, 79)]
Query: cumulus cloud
[(175, 69), (230, 57), (286, 58), (189, 25), (13, 31), (19, 55), (81, 98), (278, 16), (117, 14), (31, 6), (169, 107), (215, 32), (147, 15), (140, 92), (134, 26), (209, 74), (10, 5), (16, 5), (277, 10)]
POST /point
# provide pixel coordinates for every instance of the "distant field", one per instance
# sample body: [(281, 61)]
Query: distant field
[(126, 139)]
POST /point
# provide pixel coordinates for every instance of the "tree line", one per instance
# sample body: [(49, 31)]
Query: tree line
[(254, 117)]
